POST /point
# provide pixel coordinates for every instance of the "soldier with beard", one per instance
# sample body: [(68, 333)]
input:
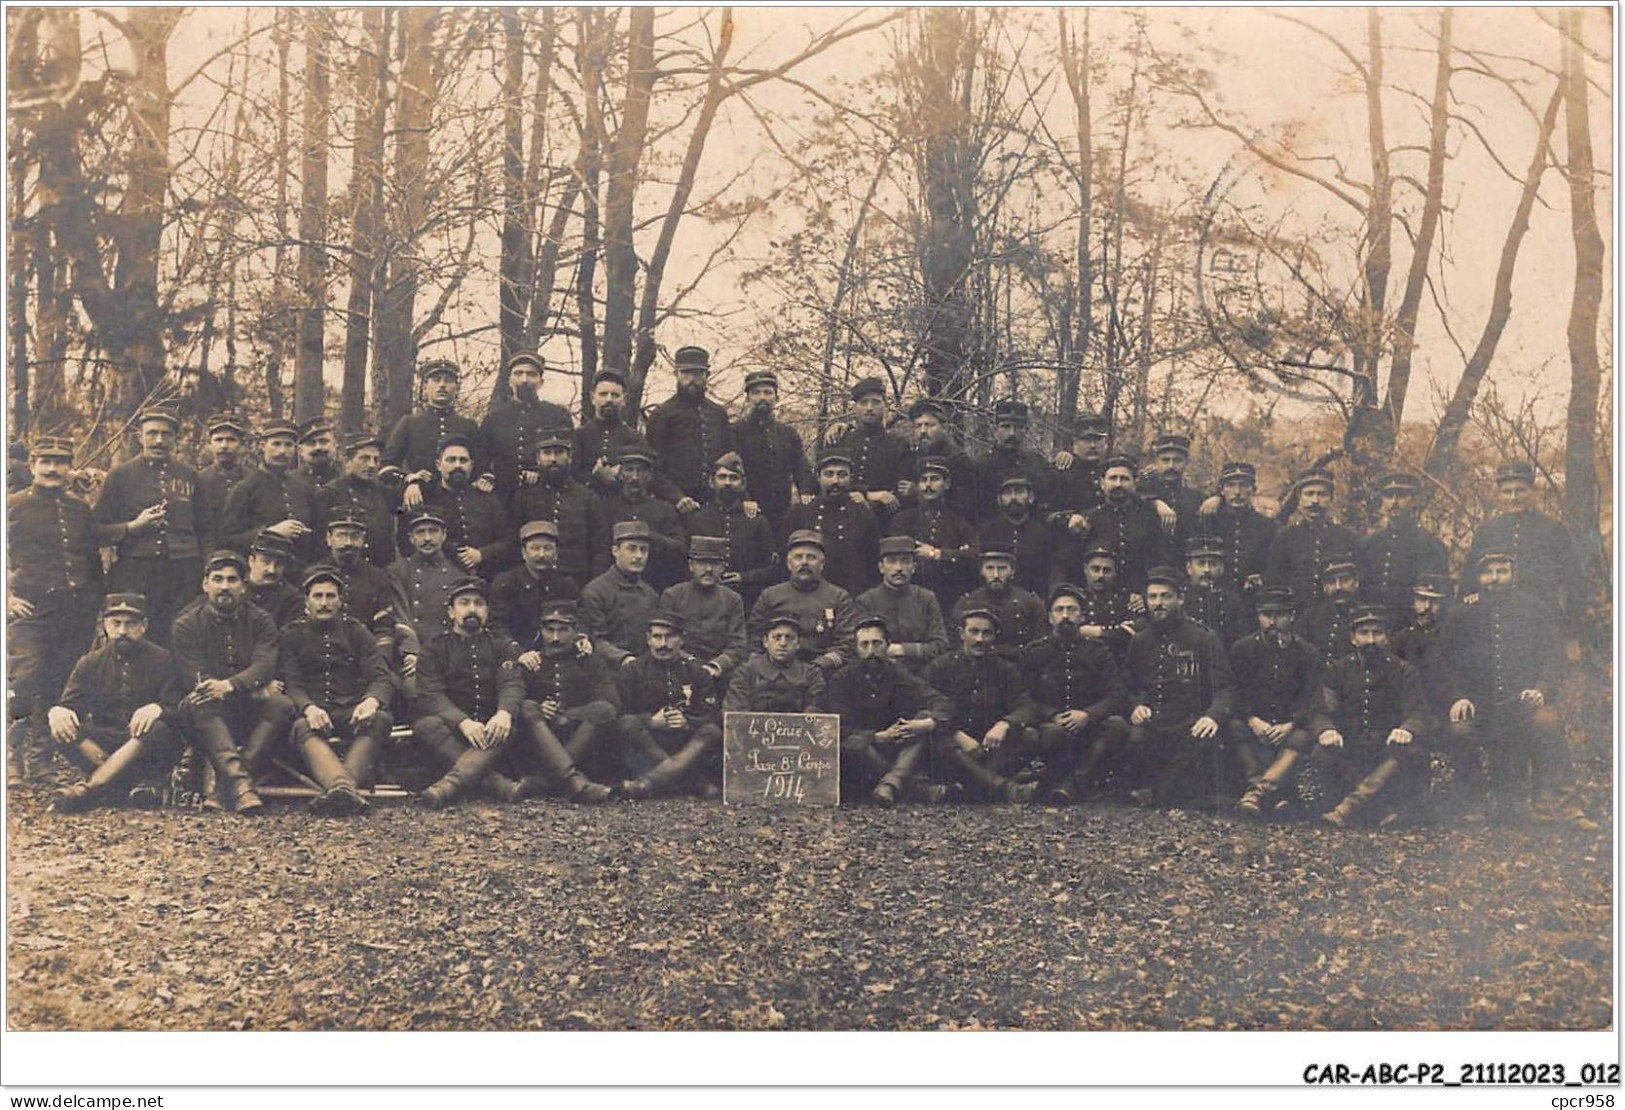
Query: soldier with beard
[(981, 745), (1125, 524), (1020, 611), (667, 539), (916, 633), (1110, 613), (570, 707), (1399, 551), (513, 432), (771, 451), (887, 714), (1277, 696), (1010, 457), (364, 590), (671, 720), (316, 444), (413, 445), (877, 457), (274, 498), (1078, 472), (774, 680), (932, 441), (850, 534), (478, 536), (713, 615), (1246, 532), (944, 541), (227, 432), (517, 594), (689, 429), (1017, 528), (1548, 567), (1328, 624), (358, 493), (824, 610), (602, 439), (117, 711), (1207, 599), (1302, 548), (557, 496), (747, 541), (1164, 484)]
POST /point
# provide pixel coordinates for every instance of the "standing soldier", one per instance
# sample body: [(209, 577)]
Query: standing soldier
[(117, 711), (1548, 567), (774, 680), (887, 714), (747, 541), (1247, 533), (848, 527), (231, 646), (713, 615), (160, 519), (1165, 483), (668, 541), (227, 433), (414, 443), (469, 692), (824, 611), (1399, 550), (1372, 718), (274, 497), (944, 541), (981, 745), (689, 429), (1302, 548), (478, 536), (915, 633), (1019, 529), (671, 722), (770, 450), (615, 606), (1080, 700), (877, 457), (1183, 690), (1010, 457), (420, 585), (1079, 471), (1278, 676), (518, 593), (557, 496), (601, 440), (358, 493), (340, 688), (1125, 524), (1111, 613), (571, 703), (54, 585), (1207, 599), (316, 445), (1020, 611), (1328, 624), (932, 441), (513, 432)]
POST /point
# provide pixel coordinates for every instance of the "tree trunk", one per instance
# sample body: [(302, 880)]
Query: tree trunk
[(1076, 62), (515, 261), (587, 173), (1378, 223), (366, 196), (309, 389), (17, 257), (545, 233), (620, 193), (277, 325)]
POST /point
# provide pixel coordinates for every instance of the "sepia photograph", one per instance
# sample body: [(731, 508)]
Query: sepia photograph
[(1074, 520)]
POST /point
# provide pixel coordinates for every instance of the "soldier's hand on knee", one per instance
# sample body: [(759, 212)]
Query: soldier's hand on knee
[(64, 724), (549, 710), (19, 608), (1141, 714), (1331, 738), (1261, 728), (212, 689), (473, 731), (1532, 697), (499, 726), (1400, 737), (1462, 710), (1204, 728), (995, 736), (1280, 732), (1073, 720), (1169, 518), (317, 718), (270, 690), (364, 710)]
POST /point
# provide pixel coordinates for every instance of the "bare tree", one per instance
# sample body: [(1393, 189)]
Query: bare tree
[(309, 391)]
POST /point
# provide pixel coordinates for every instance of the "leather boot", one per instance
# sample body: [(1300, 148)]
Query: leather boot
[(234, 786), (1368, 788), (471, 766), (1267, 785), (986, 782), (260, 747), (894, 783), (17, 753), (559, 769), (339, 796), (360, 760)]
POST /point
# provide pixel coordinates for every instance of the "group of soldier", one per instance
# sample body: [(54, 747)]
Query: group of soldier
[(569, 611)]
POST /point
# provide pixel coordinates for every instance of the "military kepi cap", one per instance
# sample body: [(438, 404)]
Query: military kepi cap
[(708, 547), (1091, 425), (347, 518), (1121, 462), (272, 429), (692, 358), (805, 537), (630, 530), (467, 585), (761, 377), (1244, 471), (267, 542), (225, 557), (1516, 471), (426, 518), (786, 620), (1436, 586), (1399, 480), (1171, 441), (1317, 475), (538, 528), (731, 462), (1276, 599), (983, 612), (559, 611), (227, 420), (52, 447), (865, 386), (147, 415), (896, 545), (1496, 555), (1369, 614), (554, 436), (361, 441), (1165, 576), (322, 573), (439, 367), (669, 618), (133, 604), (1066, 589), (1012, 410), (1204, 545)]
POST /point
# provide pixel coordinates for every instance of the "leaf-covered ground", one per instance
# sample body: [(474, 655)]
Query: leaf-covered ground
[(684, 914)]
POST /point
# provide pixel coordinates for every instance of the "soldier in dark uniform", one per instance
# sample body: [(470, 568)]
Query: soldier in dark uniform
[(513, 432), (1183, 691), (752, 559), (1278, 677), (274, 497), (268, 559), (316, 446), (1125, 523), (340, 688), (1417, 639), (877, 457), (888, 715), (775, 680), (916, 633), (1020, 611), (713, 615), (358, 493), (117, 711), (1018, 528), (1111, 613), (1247, 533), (1301, 549), (571, 703), (689, 430), (518, 593), (469, 693), (1207, 599), (601, 440), (231, 645), (1400, 550), (848, 527), (1078, 472), (615, 606), (1010, 457), (1328, 624), (1548, 567), (944, 541), (1373, 716), (671, 720), (1080, 699), (413, 445), (668, 539), (228, 432), (54, 588), (159, 519), (1165, 483), (1499, 659), (981, 745), (365, 592), (420, 586), (932, 441), (825, 611), (478, 535), (557, 496), (771, 450)]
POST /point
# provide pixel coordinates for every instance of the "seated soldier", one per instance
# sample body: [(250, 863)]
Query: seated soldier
[(469, 691), (1277, 695), (116, 712), (570, 706), (671, 723), (1370, 728), (887, 714), (615, 606), (991, 708), (1328, 622), (1080, 697), (1111, 614), (1208, 601), (231, 646), (913, 615), (713, 614), (1182, 689), (518, 593), (335, 675), (1020, 611), (824, 610), (774, 680)]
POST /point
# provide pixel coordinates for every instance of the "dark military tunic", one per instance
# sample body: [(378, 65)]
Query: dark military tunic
[(370, 501), (216, 482), (1030, 541), (473, 519), (873, 694), (369, 597), (752, 553), (55, 566), (517, 595), (269, 497), (240, 646), (510, 433), (1247, 537), (110, 683), (1219, 609), (1078, 488), (598, 439), (1023, 617), (1499, 646), (1001, 462), (1547, 565), (1182, 499), (1180, 670), (878, 458), (574, 681), (851, 539), (579, 513), (827, 615), (1393, 558), (1109, 609), (955, 536), (1329, 626), (668, 546), (335, 665), (1277, 682), (688, 437), (714, 623), (615, 610), (984, 690), (648, 685), (762, 686), (414, 442), (774, 458), (914, 619), (1365, 697), (469, 676), (281, 601), (1075, 673), (1418, 645), (133, 486), (963, 495), (421, 588), (1133, 531), (1300, 551)]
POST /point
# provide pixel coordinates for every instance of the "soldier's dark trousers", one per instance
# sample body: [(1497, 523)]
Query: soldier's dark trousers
[(114, 761), (40, 653), (466, 766), (1177, 768), (1523, 747), (235, 730), (1355, 774), (346, 755), (1259, 760), (664, 757), (542, 751), (168, 583), (866, 763), (1076, 759)]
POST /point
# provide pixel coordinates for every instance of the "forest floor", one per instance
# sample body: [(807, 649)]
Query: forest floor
[(685, 914)]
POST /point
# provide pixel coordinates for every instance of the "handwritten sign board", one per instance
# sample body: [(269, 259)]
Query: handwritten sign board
[(781, 759)]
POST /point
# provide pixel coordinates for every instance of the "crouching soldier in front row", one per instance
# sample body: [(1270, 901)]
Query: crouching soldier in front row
[(112, 712), (570, 705), (991, 709), (1278, 677), (773, 680), (671, 723), (887, 714), (334, 673), (1373, 713), (469, 692)]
